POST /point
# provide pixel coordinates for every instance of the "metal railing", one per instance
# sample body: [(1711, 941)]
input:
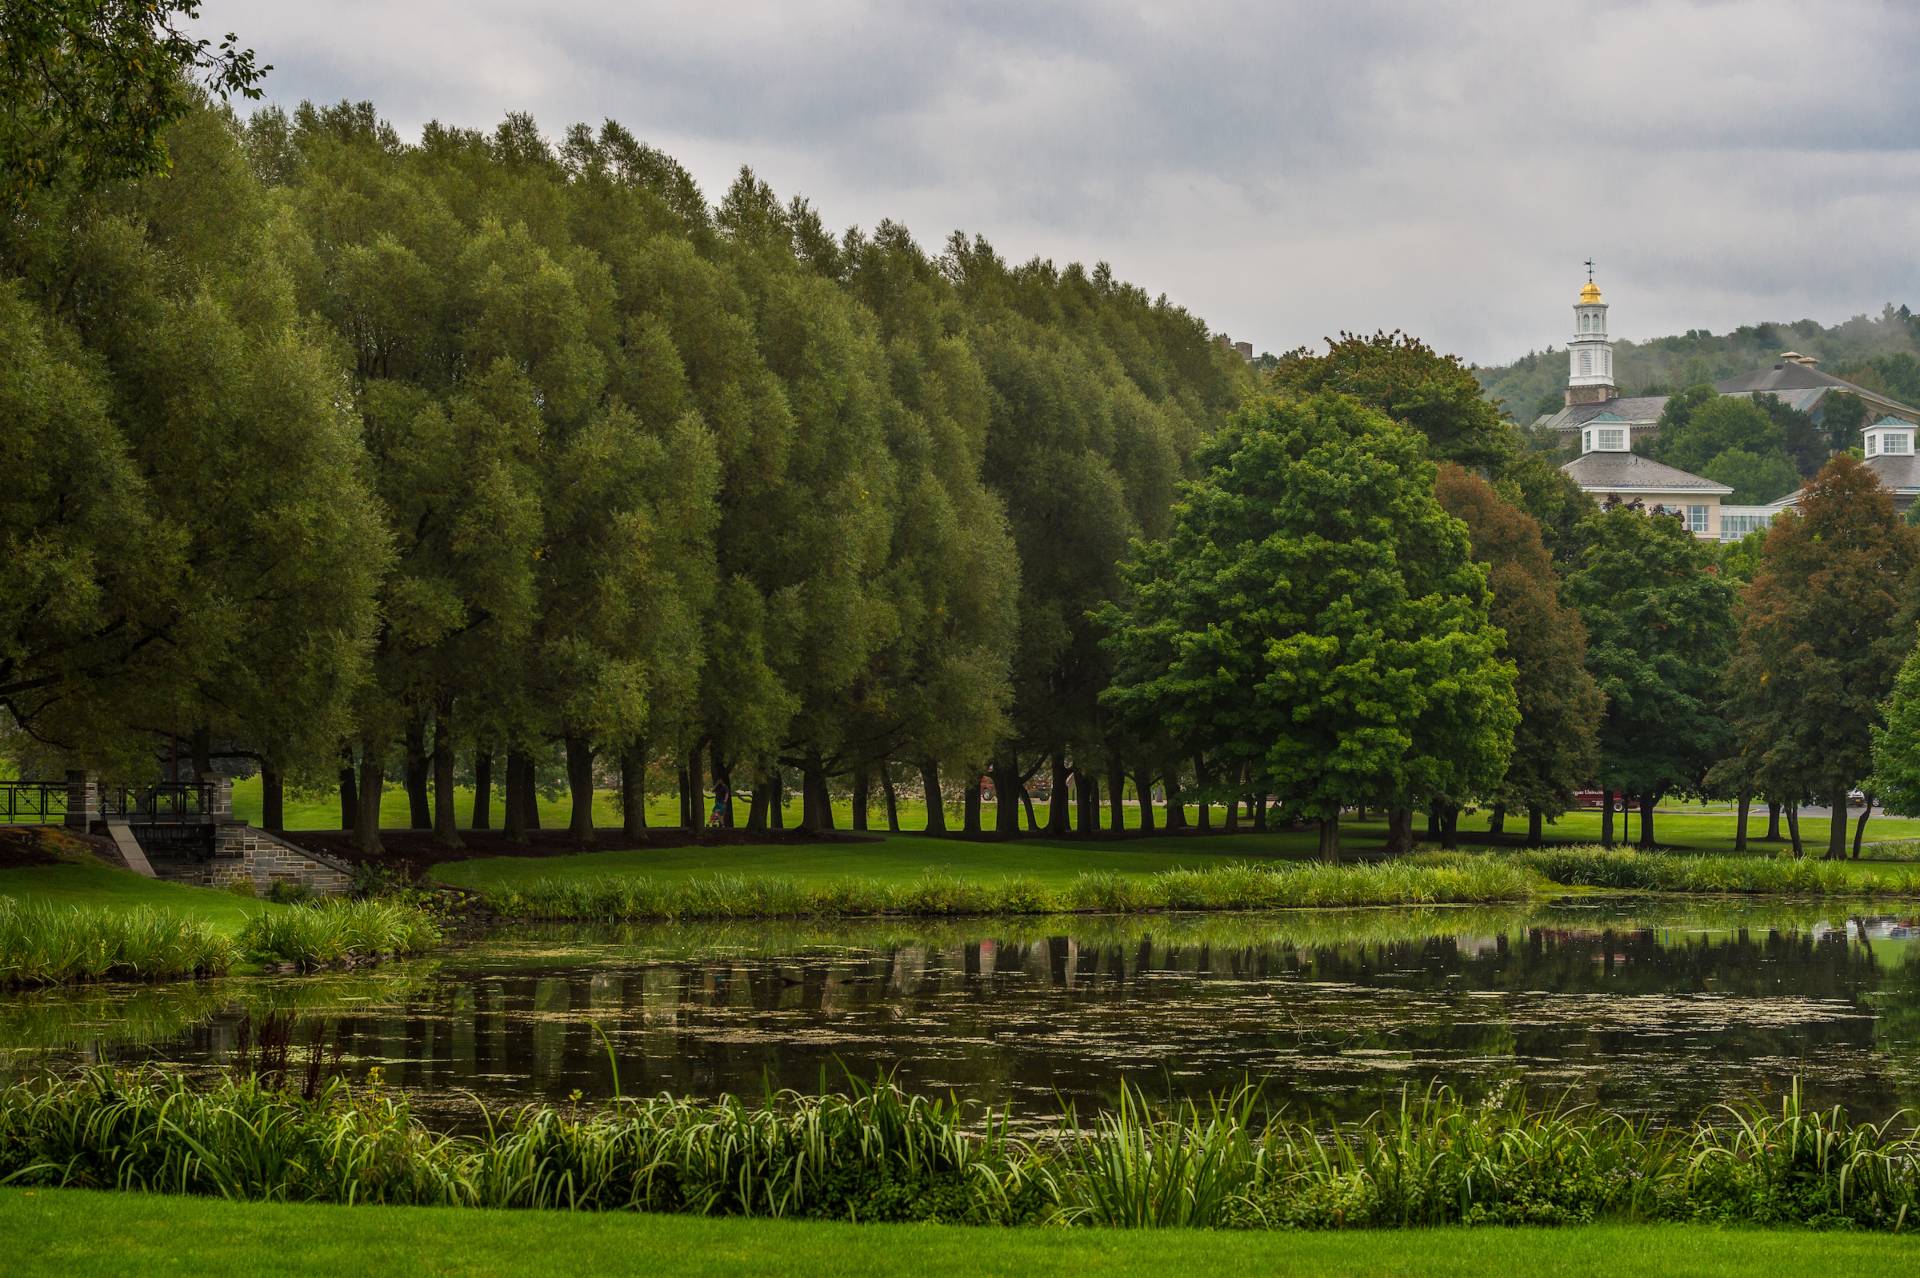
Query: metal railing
[(33, 802), (168, 803)]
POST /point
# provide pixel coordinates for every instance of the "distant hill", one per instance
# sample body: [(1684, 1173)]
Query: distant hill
[(1881, 353)]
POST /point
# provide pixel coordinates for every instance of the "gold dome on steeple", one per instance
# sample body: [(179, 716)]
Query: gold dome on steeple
[(1589, 294)]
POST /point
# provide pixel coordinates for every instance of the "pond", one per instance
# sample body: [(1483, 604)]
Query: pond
[(1655, 1008)]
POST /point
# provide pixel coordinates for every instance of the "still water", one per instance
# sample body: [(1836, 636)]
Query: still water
[(1655, 1008)]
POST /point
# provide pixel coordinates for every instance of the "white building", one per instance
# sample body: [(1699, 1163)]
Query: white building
[(1604, 425)]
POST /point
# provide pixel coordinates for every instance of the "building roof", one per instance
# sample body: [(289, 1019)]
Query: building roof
[(1632, 473), (1900, 472), (1795, 375), (1636, 410)]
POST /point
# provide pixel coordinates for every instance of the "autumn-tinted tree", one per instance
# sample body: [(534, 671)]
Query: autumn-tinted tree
[(1315, 615), (1659, 632), (1555, 746), (1822, 636)]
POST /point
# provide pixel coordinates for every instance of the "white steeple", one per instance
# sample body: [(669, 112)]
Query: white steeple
[(1589, 353)]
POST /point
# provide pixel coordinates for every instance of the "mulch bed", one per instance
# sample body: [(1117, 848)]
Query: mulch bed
[(22, 845), (416, 851)]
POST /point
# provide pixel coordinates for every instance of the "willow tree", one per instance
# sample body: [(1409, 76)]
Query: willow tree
[(1316, 615)]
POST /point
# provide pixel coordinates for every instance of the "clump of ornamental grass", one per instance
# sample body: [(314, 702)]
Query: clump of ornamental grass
[(339, 932), (47, 944)]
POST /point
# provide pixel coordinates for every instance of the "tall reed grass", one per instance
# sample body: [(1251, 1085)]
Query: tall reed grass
[(1438, 881), (880, 1154), (1678, 872), (43, 944), (337, 932)]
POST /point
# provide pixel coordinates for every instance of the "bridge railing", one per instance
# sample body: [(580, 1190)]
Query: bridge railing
[(33, 802), (168, 803)]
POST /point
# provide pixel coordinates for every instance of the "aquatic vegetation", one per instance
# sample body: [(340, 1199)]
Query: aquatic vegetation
[(1435, 881), (45, 944), (338, 932), (878, 1153)]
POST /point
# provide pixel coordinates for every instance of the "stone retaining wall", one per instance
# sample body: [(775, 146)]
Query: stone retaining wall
[(243, 853)]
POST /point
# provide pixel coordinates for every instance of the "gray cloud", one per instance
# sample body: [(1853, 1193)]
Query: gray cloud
[(1284, 170)]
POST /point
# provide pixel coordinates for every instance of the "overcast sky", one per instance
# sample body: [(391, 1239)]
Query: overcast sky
[(1283, 170)]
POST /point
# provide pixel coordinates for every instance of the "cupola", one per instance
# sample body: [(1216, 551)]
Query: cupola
[(1890, 437), (1606, 433)]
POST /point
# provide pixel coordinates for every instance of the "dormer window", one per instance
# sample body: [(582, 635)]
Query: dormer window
[(1873, 444), (1896, 442), (1586, 440), (1613, 439), (1890, 437)]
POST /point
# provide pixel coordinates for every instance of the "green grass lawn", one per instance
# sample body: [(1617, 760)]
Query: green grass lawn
[(1687, 825), (73, 1233), (85, 881)]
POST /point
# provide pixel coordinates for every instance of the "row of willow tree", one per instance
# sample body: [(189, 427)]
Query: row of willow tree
[(480, 460), (482, 457)]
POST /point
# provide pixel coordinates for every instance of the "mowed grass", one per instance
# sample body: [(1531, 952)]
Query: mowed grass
[(87, 882), (1688, 826), (74, 1233)]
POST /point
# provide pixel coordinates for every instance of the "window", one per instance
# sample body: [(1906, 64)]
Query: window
[(1613, 439), (1734, 527), (1586, 363), (1586, 440), (1696, 519), (1896, 442)]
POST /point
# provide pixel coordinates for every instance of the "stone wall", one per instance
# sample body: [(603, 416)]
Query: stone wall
[(243, 853)]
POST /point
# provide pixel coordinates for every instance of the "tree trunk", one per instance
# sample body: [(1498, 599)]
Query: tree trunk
[(349, 793), (1740, 822), (892, 800), (1399, 831), (1330, 838), (816, 808), (1606, 817), (515, 804), (1860, 829), (1497, 824), (762, 802), (1773, 820), (936, 808), (1233, 812), (1143, 795), (970, 805), (1005, 771), (1057, 823), (1086, 789), (1116, 794), (1205, 813), (419, 812), (696, 791), (482, 790), (530, 793), (686, 799), (446, 825), (1435, 822), (1450, 826), (1793, 829), (1176, 807), (1536, 833), (1260, 811), (1026, 800), (366, 833), (1837, 826), (580, 786), (273, 800), (1646, 821), (777, 801), (633, 791), (862, 782)]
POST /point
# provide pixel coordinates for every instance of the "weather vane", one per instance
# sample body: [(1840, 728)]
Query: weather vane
[(1589, 270)]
